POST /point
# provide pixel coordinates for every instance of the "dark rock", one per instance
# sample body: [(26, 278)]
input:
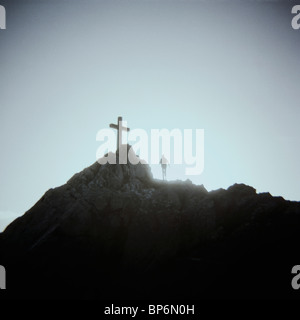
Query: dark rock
[(112, 231)]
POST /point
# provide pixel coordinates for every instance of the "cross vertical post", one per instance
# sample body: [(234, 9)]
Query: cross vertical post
[(119, 136), (119, 127)]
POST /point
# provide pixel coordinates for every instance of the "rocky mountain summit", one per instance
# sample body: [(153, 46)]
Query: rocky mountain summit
[(114, 232)]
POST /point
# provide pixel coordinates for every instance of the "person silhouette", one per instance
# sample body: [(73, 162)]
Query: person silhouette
[(164, 162)]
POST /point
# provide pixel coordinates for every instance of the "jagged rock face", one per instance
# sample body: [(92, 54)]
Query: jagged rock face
[(104, 201), (114, 223)]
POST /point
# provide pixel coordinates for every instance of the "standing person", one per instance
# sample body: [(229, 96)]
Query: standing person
[(163, 162)]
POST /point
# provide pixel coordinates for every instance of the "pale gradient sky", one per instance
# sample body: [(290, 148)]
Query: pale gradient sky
[(69, 68)]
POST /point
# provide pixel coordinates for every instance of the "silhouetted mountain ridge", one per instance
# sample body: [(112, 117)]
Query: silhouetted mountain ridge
[(112, 231)]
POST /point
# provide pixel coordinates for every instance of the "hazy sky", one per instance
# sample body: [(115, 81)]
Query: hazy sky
[(70, 68)]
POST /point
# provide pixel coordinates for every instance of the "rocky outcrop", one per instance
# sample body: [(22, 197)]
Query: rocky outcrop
[(112, 231)]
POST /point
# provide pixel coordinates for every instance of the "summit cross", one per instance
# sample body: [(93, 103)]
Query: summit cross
[(119, 127)]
